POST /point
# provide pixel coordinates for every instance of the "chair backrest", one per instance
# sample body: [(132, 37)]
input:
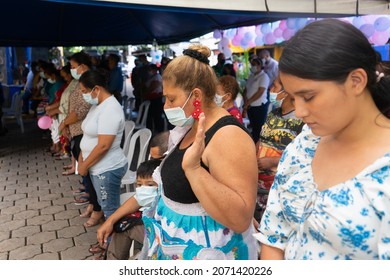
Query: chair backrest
[(129, 127), (142, 114), (17, 106), (144, 135), (128, 107)]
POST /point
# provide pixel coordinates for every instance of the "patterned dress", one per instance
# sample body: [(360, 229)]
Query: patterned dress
[(350, 220), (185, 231)]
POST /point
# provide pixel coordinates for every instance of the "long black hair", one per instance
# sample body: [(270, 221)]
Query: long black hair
[(328, 50)]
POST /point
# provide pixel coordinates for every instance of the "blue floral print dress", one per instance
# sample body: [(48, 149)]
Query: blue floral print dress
[(350, 220)]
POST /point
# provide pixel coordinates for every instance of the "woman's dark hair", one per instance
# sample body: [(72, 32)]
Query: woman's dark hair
[(147, 168), (328, 50), (66, 68), (82, 58), (50, 69), (92, 78)]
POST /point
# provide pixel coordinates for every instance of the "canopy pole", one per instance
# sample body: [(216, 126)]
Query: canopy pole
[(357, 7), (266, 5)]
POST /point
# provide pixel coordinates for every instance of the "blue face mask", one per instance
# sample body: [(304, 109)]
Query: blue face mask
[(88, 98), (145, 195), (177, 117), (272, 98)]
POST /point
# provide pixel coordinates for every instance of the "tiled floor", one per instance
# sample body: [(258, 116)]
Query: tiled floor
[(38, 219)]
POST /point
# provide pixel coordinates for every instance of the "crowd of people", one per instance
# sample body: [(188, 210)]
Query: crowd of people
[(308, 181)]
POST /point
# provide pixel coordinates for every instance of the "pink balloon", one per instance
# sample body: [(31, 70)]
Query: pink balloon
[(44, 122), (278, 32), (236, 41), (258, 30), (283, 24), (380, 38)]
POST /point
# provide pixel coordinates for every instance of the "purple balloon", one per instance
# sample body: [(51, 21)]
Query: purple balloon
[(266, 28), (291, 23), (288, 33), (248, 36), (381, 24), (367, 29), (244, 43), (300, 23), (259, 41), (44, 122), (269, 39)]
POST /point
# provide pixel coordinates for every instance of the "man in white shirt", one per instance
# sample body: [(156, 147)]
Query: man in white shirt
[(271, 66), (255, 98)]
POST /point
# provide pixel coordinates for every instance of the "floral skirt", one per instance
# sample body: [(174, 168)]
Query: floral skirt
[(186, 231)]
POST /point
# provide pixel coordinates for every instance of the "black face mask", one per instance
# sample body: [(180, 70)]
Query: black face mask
[(222, 61)]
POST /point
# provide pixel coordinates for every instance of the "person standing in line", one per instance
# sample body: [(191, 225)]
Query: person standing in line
[(101, 156), (331, 197), (219, 66), (271, 66), (255, 98), (115, 81)]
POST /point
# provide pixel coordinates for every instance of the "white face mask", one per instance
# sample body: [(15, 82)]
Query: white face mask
[(219, 100), (74, 74), (42, 75), (51, 81), (253, 69), (177, 117), (88, 98), (264, 61), (145, 195)]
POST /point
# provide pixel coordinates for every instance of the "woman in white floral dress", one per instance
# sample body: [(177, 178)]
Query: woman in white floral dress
[(331, 194)]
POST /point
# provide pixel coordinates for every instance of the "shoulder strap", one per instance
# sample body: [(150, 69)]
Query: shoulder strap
[(224, 121)]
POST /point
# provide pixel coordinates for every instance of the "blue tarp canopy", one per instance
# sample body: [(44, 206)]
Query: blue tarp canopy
[(45, 23)]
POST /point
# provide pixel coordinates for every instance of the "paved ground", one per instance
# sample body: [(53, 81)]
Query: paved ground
[(38, 219)]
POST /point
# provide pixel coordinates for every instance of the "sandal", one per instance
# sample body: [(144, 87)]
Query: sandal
[(88, 212), (82, 200), (93, 221), (66, 167), (101, 256), (96, 249), (68, 172), (79, 191)]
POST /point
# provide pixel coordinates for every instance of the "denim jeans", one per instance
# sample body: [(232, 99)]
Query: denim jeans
[(107, 186)]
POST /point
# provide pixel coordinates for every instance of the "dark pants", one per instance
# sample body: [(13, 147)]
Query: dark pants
[(85, 179), (257, 116)]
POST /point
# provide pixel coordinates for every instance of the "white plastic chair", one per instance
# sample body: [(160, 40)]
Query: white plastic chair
[(128, 107), (14, 111), (129, 128), (144, 136), (142, 116)]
